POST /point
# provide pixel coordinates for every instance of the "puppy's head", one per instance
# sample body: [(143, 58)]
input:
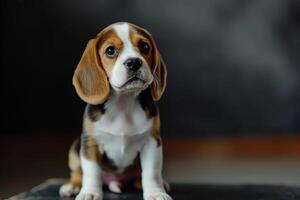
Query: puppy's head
[(122, 57)]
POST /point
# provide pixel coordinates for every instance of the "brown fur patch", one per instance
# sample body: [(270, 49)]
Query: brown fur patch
[(76, 178), (88, 125), (74, 160), (110, 39), (137, 184), (74, 164), (90, 79), (90, 148)]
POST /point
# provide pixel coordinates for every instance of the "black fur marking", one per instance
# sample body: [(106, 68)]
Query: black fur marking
[(94, 111), (148, 105), (158, 140), (107, 164), (84, 143)]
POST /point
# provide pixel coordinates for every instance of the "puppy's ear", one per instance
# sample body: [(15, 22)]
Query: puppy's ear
[(90, 79), (159, 74)]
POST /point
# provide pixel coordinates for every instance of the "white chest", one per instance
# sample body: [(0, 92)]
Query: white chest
[(121, 149), (122, 130), (123, 117)]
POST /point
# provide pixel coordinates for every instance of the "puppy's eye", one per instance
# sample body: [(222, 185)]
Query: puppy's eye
[(111, 51), (144, 47)]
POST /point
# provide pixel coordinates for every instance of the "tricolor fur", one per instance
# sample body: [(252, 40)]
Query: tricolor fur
[(120, 75)]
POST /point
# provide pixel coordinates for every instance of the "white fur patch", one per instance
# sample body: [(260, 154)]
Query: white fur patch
[(68, 190), (123, 116), (91, 181), (122, 129), (151, 162)]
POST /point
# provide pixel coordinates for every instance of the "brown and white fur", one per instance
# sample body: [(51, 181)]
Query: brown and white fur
[(121, 75)]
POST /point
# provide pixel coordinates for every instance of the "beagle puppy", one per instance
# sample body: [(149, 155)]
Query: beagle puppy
[(120, 76)]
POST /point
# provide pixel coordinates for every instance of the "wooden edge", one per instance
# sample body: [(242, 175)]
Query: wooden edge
[(288, 146), (271, 146)]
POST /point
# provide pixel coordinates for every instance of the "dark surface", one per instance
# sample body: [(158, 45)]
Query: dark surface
[(233, 65), (49, 191)]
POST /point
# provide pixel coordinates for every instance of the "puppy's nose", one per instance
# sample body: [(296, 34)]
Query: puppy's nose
[(133, 63)]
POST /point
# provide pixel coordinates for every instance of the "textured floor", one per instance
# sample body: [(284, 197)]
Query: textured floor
[(49, 191)]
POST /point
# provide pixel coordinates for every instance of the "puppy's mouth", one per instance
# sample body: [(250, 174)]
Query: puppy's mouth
[(134, 80), (133, 83)]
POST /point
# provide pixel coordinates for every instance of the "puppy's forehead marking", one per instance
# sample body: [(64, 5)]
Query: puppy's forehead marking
[(122, 31)]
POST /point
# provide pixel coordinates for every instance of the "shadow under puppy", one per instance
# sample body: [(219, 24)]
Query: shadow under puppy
[(120, 75)]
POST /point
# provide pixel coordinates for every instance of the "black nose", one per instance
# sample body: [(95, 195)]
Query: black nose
[(133, 63)]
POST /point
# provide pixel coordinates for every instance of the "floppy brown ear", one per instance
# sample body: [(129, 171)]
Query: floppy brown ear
[(159, 74), (90, 79)]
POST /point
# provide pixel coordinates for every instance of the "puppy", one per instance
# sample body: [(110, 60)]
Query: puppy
[(120, 76)]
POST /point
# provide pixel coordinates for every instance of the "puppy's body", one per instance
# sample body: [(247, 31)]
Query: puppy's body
[(122, 129), (120, 76)]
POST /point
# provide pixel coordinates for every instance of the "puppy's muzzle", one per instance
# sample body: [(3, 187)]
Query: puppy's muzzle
[(133, 64)]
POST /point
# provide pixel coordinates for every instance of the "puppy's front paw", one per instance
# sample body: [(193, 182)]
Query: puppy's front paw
[(68, 190), (89, 195), (158, 196)]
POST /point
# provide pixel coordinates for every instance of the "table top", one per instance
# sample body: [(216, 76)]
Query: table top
[(49, 191)]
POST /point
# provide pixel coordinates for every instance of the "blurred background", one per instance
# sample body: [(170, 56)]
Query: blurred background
[(231, 109)]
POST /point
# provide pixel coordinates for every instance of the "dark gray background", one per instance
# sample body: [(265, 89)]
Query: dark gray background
[(233, 65)]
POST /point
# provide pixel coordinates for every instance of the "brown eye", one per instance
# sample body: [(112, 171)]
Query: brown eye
[(144, 47), (111, 51)]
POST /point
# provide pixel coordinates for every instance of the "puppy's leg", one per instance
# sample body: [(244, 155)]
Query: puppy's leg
[(91, 181), (151, 162), (72, 187)]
